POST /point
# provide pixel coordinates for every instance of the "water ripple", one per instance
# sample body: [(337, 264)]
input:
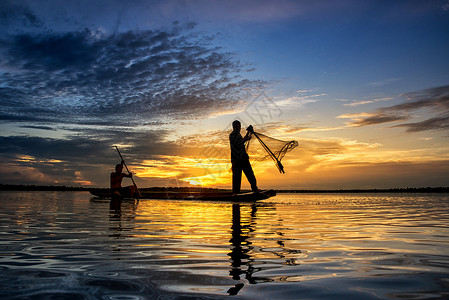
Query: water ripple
[(63, 245)]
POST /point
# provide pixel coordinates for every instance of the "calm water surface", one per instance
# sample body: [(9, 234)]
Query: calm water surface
[(66, 245)]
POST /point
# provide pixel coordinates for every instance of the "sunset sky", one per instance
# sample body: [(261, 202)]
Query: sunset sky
[(363, 86)]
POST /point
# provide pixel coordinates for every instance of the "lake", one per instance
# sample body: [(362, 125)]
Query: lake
[(67, 245)]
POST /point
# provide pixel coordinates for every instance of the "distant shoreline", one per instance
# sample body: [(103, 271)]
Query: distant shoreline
[(19, 187), (393, 190)]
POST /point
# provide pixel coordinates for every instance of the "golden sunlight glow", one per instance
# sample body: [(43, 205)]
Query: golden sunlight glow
[(209, 172), (122, 146), (208, 180), (227, 112), (54, 161), (25, 158), (29, 158), (201, 172), (356, 115), (315, 160), (220, 174), (156, 171), (83, 182), (181, 221), (355, 118)]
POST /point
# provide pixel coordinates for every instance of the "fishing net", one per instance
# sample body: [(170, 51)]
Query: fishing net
[(262, 147)]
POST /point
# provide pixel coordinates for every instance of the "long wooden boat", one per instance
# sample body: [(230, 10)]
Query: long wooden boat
[(209, 196)]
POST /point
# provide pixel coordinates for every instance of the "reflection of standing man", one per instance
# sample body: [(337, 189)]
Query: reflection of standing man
[(237, 254), (241, 248), (240, 159)]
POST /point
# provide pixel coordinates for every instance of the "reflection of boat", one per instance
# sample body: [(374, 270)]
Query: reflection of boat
[(210, 196)]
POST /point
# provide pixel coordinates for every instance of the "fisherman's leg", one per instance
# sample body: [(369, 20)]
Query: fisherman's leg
[(249, 173), (236, 178)]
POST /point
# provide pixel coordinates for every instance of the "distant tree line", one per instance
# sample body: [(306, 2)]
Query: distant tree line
[(21, 187), (393, 190)]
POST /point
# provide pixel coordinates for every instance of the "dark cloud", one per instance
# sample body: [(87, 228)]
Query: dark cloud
[(92, 145), (75, 148), (54, 78), (436, 100), (438, 123), (44, 160), (39, 127), (88, 77), (379, 118), (14, 14), (89, 152)]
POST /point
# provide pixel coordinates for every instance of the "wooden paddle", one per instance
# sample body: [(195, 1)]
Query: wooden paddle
[(135, 185)]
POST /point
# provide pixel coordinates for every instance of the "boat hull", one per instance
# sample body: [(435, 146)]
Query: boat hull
[(209, 196)]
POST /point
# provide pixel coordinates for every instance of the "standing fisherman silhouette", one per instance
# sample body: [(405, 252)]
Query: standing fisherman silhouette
[(240, 159)]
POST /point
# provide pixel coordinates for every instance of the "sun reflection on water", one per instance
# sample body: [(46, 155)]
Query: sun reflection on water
[(311, 244)]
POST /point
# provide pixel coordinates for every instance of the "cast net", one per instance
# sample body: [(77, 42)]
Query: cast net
[(262, 147)]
